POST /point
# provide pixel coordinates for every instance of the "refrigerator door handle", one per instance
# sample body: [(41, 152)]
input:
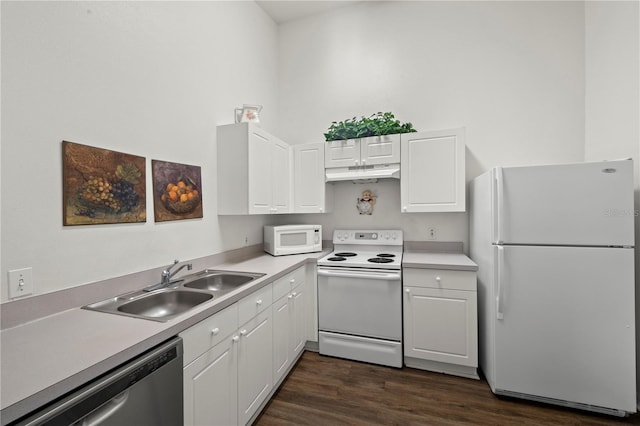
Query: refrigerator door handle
[(498, 203), (499, 265)]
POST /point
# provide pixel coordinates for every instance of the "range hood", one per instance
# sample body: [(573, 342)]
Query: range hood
[(357, 173)]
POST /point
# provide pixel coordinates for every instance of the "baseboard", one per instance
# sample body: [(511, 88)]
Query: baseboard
[(442, 367)]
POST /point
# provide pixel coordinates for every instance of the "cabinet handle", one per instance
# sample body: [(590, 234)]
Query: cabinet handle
[(295, 293), (321, 210), (290, 296), (259, 302), (235, 338), (356, 162), (243, 332), (364, 162), (407, 290), (292, 280), (215, 331), (438, 279), (404, 209)]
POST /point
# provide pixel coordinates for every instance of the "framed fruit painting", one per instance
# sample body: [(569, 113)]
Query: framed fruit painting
[(177, 191), (101, 186)]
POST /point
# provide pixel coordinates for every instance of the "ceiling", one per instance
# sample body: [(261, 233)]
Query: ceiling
[(285, 11)]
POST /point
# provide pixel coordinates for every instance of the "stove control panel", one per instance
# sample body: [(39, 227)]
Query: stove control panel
[(383, 236)]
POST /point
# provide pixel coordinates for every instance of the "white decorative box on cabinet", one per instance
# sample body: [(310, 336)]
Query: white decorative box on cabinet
[(432, 171), (254, 171)]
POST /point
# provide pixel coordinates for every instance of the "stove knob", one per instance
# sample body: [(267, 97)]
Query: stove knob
[(386, 235), (374, 236), (394, 235)]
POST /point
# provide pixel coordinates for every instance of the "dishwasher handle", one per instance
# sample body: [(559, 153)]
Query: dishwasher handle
[(363, 274), (106, 410)]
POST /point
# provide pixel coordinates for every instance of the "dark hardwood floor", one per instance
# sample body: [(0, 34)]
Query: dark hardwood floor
[(329, 391)]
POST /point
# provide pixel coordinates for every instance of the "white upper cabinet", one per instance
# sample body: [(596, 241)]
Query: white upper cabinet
[(380, 150), (281, 169), (254, 171), (432, 171), (310, 192), (363, 152)]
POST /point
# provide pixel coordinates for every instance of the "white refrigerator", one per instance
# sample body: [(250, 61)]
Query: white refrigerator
[(556, 299)]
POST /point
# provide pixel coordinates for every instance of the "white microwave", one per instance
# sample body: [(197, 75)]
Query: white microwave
[(292, 239)]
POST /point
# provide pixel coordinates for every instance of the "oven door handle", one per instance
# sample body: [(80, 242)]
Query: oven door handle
[(372, 275)]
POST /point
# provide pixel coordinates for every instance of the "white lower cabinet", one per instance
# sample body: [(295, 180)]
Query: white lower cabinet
[(233, 359), (255, 378), (440, 320), (211, 370), (228, 383), (211, 386), (290, 321)]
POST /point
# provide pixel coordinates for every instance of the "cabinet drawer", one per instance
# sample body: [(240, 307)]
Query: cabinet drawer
[(439, 278), (285, 284), (254, 303), (209, 332), (297, 277)]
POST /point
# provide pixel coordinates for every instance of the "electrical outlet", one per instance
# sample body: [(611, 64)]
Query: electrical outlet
[(431, 234), (246, 240), (20, 283)]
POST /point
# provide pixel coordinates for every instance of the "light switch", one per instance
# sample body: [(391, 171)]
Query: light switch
[(20, 283)]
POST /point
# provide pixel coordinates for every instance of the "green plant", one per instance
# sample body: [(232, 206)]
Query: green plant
[(377, 124)]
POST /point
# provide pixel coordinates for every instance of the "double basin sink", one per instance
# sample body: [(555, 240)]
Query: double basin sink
[(178, 297)]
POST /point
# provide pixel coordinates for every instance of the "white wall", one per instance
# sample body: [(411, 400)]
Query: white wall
[(146, 78), (612, 39), (512, 73)]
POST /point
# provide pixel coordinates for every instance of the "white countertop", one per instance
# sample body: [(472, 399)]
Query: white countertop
[(44, 359), (438, 260)]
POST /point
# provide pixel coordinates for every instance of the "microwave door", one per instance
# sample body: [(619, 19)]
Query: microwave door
[(293, 242), (293, 239)]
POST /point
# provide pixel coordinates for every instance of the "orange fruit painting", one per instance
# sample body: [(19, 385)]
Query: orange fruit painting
[(177, 190)]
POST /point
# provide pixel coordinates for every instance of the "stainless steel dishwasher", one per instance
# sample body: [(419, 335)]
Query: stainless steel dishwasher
[(144, 391)]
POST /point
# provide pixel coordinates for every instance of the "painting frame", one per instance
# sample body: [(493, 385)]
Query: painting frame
[(177, 191), (101, 186)]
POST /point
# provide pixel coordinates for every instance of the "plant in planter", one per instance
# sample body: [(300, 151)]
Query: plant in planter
[(377, 124)]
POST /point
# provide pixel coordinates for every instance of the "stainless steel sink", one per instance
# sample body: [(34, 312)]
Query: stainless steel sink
[(220, 281), (164, 304), (181, 296), (160, 305)]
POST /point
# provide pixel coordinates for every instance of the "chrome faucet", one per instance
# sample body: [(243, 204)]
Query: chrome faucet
[(167, 274), (165, 277)]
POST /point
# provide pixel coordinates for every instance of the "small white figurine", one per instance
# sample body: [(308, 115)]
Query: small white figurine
[(366, 202)]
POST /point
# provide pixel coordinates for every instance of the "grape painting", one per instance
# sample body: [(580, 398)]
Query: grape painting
[(101, 186)]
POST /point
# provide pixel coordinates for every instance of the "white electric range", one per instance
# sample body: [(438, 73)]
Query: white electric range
[(360, 297)]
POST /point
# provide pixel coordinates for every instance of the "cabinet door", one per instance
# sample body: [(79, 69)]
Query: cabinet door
[(441, 325), (299, 316), (210, 387), (260, 175), (432, 174), (281, 337), (280, 177), (255, 365), (342, 153), (311, 282), (380, 150), (309, 182)]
